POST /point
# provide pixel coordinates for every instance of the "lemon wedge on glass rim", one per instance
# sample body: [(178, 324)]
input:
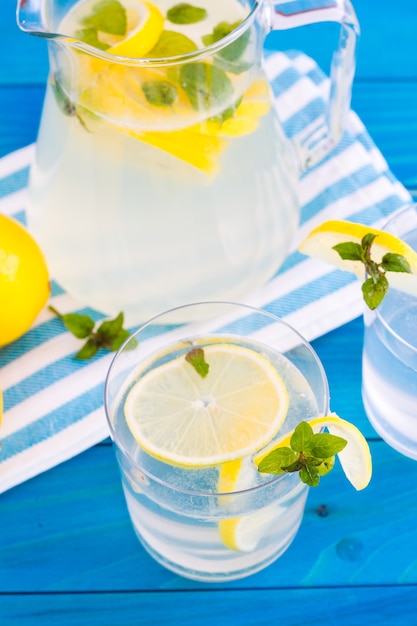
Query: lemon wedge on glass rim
[(244, 533), (320, 241), (186, 420)]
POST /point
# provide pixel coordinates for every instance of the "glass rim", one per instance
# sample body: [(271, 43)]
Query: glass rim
[(209, 494), (145, 61)]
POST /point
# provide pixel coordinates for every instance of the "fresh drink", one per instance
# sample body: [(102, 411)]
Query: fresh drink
[(159, 185), (185, 447), (390, 368)]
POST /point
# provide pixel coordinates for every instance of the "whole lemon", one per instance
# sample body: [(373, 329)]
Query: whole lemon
[(24, 280)]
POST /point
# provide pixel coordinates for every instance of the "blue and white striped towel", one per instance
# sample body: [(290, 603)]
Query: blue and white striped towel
[(54, 403)]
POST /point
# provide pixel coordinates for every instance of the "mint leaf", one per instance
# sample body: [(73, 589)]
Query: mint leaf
[(184, 13), (325, 445), (234, 50), (277, 460), (395, 263), (160, 93), (89, 349), (65, 105), (108, 16), (172, 44), (349, 250), (301, 438), (374, 291), (89, 36), (309, 474), (78, 324), (205, 85), (326, 466), (196, 358)]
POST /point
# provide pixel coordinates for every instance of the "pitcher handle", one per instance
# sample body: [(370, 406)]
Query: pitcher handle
[(319, 140)]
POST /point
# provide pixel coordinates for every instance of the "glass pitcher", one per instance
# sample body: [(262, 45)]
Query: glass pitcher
[(162, 173)]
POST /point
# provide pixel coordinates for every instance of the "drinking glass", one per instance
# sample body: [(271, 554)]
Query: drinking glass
[(186, 517), (389, 365)]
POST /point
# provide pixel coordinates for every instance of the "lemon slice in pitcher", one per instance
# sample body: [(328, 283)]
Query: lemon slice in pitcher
[(145, 25), (184, 419)]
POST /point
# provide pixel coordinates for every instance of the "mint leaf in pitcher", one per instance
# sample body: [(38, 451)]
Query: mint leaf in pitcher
[(171, 44), (107, 16), (205, 85), (184, 13), (160, 93)]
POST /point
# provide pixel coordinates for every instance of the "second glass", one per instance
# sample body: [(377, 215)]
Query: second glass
[(210, 522), (389, 382)]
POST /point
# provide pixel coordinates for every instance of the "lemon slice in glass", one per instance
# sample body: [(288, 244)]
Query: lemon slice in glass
[(145, 24), (187, 420), (355, 458), (320, 241)]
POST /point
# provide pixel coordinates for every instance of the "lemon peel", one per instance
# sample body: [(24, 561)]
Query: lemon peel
[(355, 458), (320, 241), (189, 421), (24, 280)]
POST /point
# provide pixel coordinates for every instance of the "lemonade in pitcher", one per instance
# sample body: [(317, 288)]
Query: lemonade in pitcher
[(165, 181)]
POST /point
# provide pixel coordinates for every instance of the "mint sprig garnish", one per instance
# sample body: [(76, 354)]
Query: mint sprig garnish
[(107, 16), (185, 13), (376, 286), (310, 454), (109, 335), (232, 52), (196, 358)]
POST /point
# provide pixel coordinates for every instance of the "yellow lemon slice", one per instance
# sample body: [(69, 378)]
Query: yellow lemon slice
[(355, 458), (145, 24), (186, 420), (320, 241)]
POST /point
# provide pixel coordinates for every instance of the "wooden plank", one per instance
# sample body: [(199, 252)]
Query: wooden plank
[(69, 530), (370, 606)]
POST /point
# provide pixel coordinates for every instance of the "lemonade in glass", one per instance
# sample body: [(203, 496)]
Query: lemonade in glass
[(189, 409)]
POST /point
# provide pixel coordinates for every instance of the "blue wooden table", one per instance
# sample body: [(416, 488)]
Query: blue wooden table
[(68, 554)]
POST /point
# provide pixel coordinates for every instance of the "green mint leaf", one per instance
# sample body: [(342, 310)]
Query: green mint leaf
[(88, 350), (107, 16), (302, 437), (89, 36), (326, 466), (79, 325), (172, 44), (325, 445), (196, 358), (234, 50), (160, 93), (367, 240), (309, 474), (184, 13), (395, 263), (349, 251), (109, 329), (65, 105), (205, 85), (277, 460), (374, 291)]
